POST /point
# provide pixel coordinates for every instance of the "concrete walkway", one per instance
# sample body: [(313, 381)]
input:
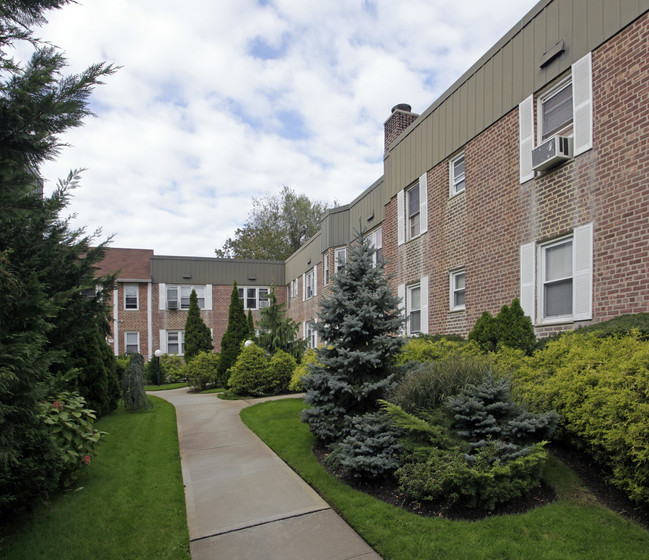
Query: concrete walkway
[(243, 502)]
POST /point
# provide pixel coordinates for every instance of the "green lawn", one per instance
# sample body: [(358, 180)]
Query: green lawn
[(574, 527), (132, 505), (165, 387)]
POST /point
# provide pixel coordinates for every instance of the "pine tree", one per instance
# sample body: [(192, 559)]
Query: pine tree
[(198, 337), (277, 331), (234, 335), (46, 269), (358, 322), (251, 325)]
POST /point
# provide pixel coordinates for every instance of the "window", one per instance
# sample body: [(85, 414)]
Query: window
[(414, 309), (456, 169), (295, 288), (309, 282), (556, 278), (186, 292), (130, 296), (375, 240), (557, 275), (178, 296), (340, 258), (325, 275), (458, 279), (310, 334), (175, 342), (132, 340), (555, 111), (254, 298), (413, 212)]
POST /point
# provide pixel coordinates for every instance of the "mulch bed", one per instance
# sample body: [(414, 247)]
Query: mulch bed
[(387, 490)]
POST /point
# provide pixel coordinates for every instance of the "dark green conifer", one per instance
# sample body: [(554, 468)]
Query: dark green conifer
[(277, 331), (133, 391), (234, 335), (198, 337)]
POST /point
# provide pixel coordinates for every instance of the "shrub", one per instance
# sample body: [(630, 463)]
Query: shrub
[(173, 368), (430, 349), (600, 386), (71, 424), (510, 328), (198, 336), (250, 372), (234, 336), (310, 357), (133, 385), (280, 371), (429, 385), (372, 448), (202, 370)]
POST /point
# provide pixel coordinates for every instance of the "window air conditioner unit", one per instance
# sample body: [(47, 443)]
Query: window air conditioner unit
[(172, 304), (552, 152)]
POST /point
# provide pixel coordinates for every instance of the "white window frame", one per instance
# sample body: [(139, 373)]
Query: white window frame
[(309, 284), (454, 290), (411, 309), (136, 288), (340, 258), (375, 240), (186, 292), (180, 334), (310, 333), (457, 181), (413, 220), (182, 293), (137, 341), (250, 293), (567, 128), (325, 264), (544, 283)]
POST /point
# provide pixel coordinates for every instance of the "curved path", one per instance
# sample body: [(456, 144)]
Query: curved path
[(243, 502)]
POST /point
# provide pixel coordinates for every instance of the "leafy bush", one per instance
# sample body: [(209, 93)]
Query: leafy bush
[(430, 349), (372, 448), (600, 386), (249, 374), (510, 328), (173, 368), (429, 385), (280, 371), (71, 424), (202, 370), (310, 357)]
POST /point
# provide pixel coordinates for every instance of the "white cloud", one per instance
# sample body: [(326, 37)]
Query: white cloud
[(195, 122)]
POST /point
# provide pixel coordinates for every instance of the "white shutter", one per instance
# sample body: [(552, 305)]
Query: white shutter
[(304, 287), (423, 286), (583, 269), (528, 269), (423, 203), (401, 217), (163, 341), (526, 135), (162, 296), (208, 296), (315, 333), (401, 293), (582, 104), (315, 280)]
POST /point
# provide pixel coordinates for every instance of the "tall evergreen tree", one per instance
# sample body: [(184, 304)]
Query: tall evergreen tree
[(358, 322), (235, 334), (198, 337), (46, 269), (277, 331), (251, 325)]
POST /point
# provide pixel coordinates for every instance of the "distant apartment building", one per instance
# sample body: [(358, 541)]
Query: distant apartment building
[(528, 178)]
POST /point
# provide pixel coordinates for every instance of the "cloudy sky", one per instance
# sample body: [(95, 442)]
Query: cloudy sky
[(219, 101)]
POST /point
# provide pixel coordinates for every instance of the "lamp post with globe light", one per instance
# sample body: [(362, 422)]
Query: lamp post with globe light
[(158, 353)]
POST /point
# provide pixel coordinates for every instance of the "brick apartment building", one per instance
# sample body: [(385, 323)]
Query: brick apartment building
[(528, 178)]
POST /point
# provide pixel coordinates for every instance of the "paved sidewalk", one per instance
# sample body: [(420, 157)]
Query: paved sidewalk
[(243, 502)]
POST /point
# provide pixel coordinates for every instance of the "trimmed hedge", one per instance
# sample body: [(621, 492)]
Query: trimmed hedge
[(600, 387)]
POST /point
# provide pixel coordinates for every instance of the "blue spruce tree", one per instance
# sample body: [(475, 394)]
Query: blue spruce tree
[(357, 323)]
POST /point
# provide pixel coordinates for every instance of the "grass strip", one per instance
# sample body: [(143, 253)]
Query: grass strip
[(575, 527), (132, 504), (165, 387)]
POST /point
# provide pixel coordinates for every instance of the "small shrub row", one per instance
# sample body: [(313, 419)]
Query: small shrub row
[(256, 375)]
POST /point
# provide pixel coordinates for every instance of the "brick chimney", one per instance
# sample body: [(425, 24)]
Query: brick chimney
[(398, 121)]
